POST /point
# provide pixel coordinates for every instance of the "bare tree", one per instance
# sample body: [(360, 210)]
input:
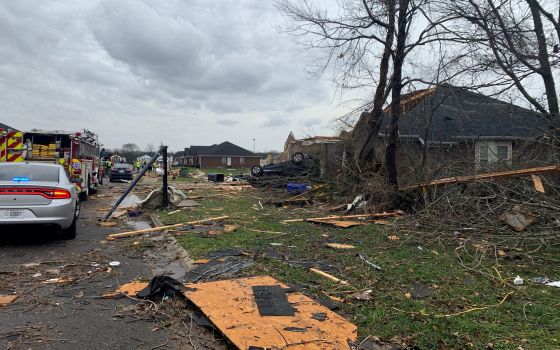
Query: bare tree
[(510, 44), (364, 35)]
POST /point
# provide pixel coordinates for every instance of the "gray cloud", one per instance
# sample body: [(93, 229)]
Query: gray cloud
[(309, 122), (275, 121), (148, 71), (228, 122)]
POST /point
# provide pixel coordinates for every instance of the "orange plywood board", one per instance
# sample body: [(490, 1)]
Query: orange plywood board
[(130, 289), (231, 307), (7, 299)]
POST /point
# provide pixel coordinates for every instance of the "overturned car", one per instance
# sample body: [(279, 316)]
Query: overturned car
[(300, 165)]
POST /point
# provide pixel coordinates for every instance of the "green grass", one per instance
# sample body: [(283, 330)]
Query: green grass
[(529, 318)]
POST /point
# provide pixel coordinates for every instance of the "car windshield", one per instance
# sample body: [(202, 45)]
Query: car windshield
[(28, 172)]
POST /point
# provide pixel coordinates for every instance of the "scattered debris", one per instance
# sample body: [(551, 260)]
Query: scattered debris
[(107, 223), (393, 238), (328, 276), (339, 246), (517, 281), (364, 296), (231, 306), (537, 183), (215, 268), (161, 228), (161, 287), (155, 198), (7, 299), (516, 219), (375, 266), (115, 263), (349, 218), (130, 289)]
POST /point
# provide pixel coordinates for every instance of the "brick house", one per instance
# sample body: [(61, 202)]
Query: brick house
[(460, 131), (223, 155)]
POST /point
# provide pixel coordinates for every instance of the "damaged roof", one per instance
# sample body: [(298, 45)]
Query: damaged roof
[(459, 114)]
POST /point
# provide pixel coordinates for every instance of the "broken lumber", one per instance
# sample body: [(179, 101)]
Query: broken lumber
[(339, 246), (328, 276), (343, 217), (7, 299), (537, 183), (161, 228), (486, 176)]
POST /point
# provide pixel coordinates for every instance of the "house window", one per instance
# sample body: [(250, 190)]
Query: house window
[(241, 160), (483, 154), (502, 153), (224, 160)]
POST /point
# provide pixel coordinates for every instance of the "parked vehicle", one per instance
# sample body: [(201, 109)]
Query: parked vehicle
[(121, 171), (300, 165), (78, 152), (38, 194)]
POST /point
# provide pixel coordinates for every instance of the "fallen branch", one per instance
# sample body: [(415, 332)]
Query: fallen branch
[(343, 217), (328, 276), (161, 228)]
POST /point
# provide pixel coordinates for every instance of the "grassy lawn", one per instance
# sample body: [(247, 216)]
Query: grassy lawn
[(529, 318)]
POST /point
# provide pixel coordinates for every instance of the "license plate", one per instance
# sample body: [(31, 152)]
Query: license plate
[(12, 213), (121, 171)]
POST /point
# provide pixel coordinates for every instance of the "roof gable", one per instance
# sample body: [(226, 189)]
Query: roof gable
[(459, 114), (227, 149)]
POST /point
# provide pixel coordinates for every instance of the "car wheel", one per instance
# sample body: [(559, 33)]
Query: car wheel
[(257, 170), (70, 232), (298, 158), (84, 195)]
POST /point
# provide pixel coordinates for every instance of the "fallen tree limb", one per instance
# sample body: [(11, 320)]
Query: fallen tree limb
[(486, 176), (307, 192), (343, 217), (328, 276), (161, 228)]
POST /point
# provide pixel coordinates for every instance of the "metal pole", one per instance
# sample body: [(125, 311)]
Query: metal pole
[(165, 194), (133, 183)]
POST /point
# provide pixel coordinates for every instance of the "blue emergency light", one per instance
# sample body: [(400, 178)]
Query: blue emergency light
[(20, 179)]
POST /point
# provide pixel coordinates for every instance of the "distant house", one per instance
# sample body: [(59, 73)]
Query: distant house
[(461, 131), (223, 155)]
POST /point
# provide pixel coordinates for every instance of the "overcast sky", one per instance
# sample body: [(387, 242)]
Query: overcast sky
[(181, 72)]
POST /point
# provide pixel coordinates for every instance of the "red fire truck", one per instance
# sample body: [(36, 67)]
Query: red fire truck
[(78, 152)]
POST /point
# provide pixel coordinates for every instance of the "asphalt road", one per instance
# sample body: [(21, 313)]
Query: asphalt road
[(72, 315)]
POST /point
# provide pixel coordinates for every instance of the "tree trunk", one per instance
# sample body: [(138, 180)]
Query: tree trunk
[(547, 76), (391, 148), (367, 151)]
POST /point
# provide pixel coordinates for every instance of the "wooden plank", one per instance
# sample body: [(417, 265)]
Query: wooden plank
[(537, 182), (337, 223), (344, 217), (328, 276), (230, 305), (7, 299), (486, 176), (155, 229)]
